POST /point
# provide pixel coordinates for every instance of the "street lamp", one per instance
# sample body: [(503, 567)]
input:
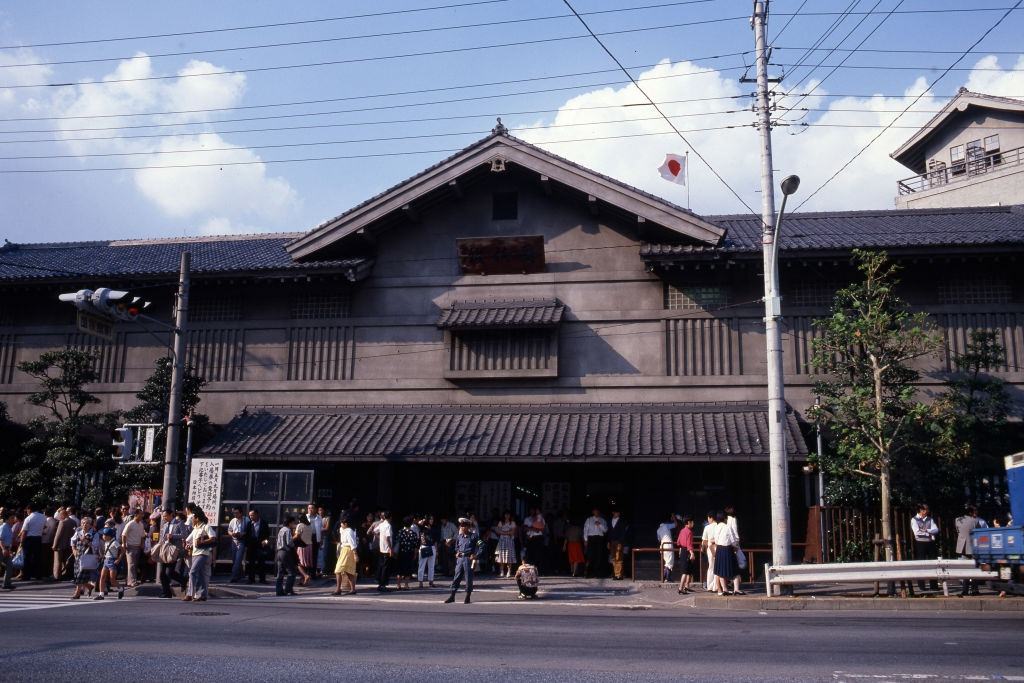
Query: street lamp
[(778, 467)]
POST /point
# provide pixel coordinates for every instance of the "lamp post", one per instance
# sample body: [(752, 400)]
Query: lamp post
[(778, 467)]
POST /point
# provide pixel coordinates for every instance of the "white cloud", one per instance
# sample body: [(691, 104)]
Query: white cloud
[(229, 196), (814, 152), (21, 98)]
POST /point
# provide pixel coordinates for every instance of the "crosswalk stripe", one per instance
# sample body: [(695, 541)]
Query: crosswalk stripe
[(11, 602)]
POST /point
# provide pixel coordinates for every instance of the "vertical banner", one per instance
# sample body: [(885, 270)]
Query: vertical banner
[(204, 486), (147, 453)]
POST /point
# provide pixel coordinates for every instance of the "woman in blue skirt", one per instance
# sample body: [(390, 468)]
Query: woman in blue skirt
[(726, 567)]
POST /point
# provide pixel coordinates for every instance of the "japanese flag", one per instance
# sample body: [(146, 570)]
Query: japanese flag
[(674, 169)]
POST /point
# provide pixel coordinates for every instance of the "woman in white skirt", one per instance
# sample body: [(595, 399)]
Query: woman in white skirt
[(506, 554)]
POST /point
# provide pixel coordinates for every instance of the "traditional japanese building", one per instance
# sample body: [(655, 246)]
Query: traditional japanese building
[(507, 328)]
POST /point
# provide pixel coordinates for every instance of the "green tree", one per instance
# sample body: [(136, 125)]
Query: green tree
[(154, 400), (972, 430), (59, 460), (869, 401)]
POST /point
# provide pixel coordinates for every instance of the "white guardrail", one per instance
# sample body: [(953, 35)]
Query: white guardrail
[(871, 572)]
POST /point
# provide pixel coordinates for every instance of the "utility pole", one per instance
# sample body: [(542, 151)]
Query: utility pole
[(777, 464), (177, 380)]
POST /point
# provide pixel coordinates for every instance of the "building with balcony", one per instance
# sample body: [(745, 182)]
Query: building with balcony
[(971, 153)]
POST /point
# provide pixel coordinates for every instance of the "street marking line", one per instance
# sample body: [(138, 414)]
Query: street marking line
[(328, 600), (23, 602)]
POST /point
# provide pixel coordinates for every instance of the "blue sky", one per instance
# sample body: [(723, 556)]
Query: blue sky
[(94, 204)]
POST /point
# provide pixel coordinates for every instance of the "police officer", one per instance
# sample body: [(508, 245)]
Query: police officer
[(465, 553)]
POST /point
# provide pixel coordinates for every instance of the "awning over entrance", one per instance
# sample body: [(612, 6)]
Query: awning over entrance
[(664, 432)]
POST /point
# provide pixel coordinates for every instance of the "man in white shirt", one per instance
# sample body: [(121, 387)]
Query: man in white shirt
[(666, 535), (595, 531), (31, 539), (386, 549), (133, 536), (238, 530), (707, 542), (317, 522)]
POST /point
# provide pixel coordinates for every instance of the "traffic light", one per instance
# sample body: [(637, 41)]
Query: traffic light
[(116, 304), (124, 443), (82, 299)]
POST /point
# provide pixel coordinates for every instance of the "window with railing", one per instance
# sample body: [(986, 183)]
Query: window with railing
[(695, 297), (957, 159), (811, 294), (975, 291), (992, 155)]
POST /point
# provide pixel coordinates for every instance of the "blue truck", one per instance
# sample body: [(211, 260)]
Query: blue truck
[(1002, 548)]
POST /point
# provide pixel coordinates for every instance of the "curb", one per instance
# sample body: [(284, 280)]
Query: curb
[(798, 604)]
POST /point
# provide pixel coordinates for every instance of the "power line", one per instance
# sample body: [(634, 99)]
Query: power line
[(909, 106), (348, 124), (365, 140), (373, 95), (656, 107), (352, 156), (359, 60), (843, 61), (790, 20), (315, 41), (897, 51), (349, 111), (114, 39), (829, 30)]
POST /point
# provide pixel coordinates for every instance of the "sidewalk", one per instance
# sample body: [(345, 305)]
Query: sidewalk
[(640, 595)]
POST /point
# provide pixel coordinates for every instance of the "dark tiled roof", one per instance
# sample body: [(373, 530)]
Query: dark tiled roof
[(147, 257), (577, 432), (504, 313), (889, 229)]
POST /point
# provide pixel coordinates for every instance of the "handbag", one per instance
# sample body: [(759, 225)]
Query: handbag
[(741, 559), (427, 551), (89, 561), (154, 552), (18, 560), (169, 553)]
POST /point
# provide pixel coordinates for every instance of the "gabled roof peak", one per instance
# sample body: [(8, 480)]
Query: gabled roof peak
[(503, 147)]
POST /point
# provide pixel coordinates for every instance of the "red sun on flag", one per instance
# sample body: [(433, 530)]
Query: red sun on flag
[(674, 169)]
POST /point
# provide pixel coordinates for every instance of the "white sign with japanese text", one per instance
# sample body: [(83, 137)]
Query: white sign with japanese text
[(204, 485)]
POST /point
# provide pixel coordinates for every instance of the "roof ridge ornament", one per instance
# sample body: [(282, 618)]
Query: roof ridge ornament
[(499, 129)]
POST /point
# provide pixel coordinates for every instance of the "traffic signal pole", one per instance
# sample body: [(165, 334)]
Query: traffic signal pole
[(777, 464), (177, 381)]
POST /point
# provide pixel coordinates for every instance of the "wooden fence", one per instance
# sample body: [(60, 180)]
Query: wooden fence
[(840, 534)]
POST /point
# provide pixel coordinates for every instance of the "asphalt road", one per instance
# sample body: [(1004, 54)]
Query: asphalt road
[(274, 639)]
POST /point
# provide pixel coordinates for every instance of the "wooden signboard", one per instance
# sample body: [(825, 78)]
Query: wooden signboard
[(501, 255), (96, 325)]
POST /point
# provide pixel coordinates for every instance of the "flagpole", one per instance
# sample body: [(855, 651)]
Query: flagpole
[(687, 179)]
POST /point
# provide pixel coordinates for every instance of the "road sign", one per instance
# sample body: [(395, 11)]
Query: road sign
[(204, 486), (147, 453), (96, 325)]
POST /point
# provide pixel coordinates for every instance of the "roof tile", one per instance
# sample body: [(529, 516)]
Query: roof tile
[(577, 432)]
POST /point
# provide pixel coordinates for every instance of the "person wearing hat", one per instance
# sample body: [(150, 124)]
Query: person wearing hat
[(465, 553), (348, 557), (112, 552)]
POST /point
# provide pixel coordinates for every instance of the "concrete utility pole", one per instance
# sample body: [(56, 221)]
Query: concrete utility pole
[(777, 464), (177, 380)]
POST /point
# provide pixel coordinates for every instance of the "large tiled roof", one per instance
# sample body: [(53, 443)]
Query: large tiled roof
[(887, 229), (148, 257), (503, 313), (516, 433)]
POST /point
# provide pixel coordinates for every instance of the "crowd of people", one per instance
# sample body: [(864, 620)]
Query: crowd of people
[(107, 551)]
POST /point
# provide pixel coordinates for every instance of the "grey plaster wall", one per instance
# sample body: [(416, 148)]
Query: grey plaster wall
[(617, 342)]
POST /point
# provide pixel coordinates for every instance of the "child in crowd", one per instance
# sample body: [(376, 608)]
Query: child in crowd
[(112, 552), (528, 581)]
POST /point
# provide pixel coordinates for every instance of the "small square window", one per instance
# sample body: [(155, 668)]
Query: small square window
[(956, 154), (695, 297), (505, 206), (992, 143)]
